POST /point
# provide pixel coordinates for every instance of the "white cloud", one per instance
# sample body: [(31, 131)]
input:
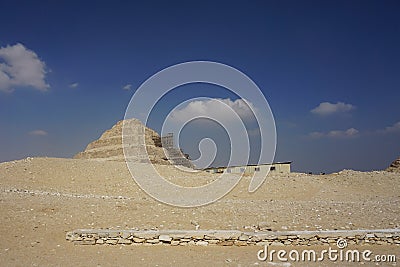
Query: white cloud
[(336, 134), (74, 85), (210, 107), (348, 133), (38, 133), (316, 135), (127, 87), (235, 117), (20, 67), (326, 108), (395, 128)]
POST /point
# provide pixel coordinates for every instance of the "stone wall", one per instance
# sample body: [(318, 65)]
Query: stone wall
[(231, 237)]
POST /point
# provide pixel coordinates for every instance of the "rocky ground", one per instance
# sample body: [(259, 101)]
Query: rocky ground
[(43, 198)]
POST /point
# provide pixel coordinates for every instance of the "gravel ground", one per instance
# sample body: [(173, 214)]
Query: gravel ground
[(43, 198)]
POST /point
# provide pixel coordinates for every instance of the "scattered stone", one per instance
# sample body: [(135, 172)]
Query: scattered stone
[(201, 243), (112, 241), (174, 243), (113, 234), (125, 234), (226, 238), (147, 235), (226, 243), (264, 226), (198, 236), (243, 237), (165, 238), (124, 241), (240, 243), (138, 240), (153, 241)]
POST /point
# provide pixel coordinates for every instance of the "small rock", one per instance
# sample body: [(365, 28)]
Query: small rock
[(124, 241), (240, 243), (243, 237), (201, 243), (226, 243), (153, 241), (112, 241), (138, 240), (165, 238), (125, 234)]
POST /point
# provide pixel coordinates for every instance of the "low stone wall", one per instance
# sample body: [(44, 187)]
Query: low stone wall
[(231, 238)]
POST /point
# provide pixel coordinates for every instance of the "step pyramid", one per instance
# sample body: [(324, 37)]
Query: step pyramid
[(110, 147)]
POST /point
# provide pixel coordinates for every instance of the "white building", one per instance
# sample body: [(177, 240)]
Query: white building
[(278, 167)]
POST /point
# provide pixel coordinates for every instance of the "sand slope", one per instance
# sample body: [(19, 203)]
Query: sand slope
[(43, 198)]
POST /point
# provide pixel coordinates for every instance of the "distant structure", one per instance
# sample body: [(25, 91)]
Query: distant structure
[(395, 166), (168, 140), (175, 155), (155, 149), (277, 167), (109, 146)]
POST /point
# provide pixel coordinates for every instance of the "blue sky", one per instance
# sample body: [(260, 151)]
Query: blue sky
[(300, 54)]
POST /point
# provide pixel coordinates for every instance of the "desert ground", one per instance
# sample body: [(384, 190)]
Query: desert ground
[(44, 198)]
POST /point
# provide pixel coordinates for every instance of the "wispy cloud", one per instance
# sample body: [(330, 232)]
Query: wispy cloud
[(208, 108), (326, 108), (21, 67), (127, 87), (38, 133), (74, 85), (395, 128), (349, 133), (316, 135)]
